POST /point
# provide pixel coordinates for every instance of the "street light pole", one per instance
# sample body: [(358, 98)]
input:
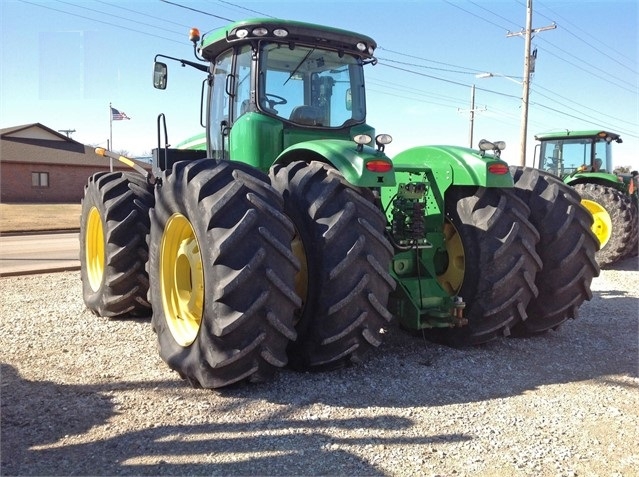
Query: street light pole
[(472, 116), (472, 112)]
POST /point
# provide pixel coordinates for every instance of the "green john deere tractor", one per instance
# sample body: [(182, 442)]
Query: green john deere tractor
[(286, 235), (583, 160)]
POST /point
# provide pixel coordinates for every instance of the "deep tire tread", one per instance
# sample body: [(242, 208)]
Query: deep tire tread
[(123, 201), (567, 248), (248, 268), (619, 207), (500, 263), (347, 258)]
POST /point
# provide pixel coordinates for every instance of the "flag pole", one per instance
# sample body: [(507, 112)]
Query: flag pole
[(110, 146)]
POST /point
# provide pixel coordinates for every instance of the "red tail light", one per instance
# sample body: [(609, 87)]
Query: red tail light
[(498, 168), (379, 166)]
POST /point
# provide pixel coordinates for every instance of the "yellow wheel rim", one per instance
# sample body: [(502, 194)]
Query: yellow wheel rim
[(602, 225), (181, 280), (453, 277), (94, 249)]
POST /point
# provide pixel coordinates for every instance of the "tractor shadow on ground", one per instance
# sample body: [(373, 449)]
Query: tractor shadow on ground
[(436, 375), (36, 432), (627, 264)]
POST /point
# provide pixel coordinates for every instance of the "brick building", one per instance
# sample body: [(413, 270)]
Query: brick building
[(38, 164)]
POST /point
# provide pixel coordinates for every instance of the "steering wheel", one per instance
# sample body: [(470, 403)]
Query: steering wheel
[(276, 101)]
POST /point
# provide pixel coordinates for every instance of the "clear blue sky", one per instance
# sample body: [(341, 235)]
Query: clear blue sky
[(63, 62)]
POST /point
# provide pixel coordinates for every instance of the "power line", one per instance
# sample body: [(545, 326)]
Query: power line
[(100, 21), (142, 13), (475, 15), (112, 15), (587, 119), (436, 78), (198, 11), (245, 8), (493, 13), (590, 35), (428, 67), (421, 58), (538, 87), (570, 108), (596, 123), (606, 78)]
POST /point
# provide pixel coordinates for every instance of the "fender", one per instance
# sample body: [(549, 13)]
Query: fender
[(455, 165), (362, 167), (601, 178)]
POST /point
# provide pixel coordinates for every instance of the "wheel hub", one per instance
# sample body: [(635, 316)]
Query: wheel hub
[(602, 224), (452, 277), (182, 280), (94, 240)]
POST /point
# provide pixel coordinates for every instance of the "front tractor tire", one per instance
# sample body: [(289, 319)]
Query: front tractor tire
[(491, 263), (344, 282), (222, 274), (113, 251), (567, 248), (611, 211)]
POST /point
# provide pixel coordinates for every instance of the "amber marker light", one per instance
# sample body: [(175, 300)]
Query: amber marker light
[(194, 35)]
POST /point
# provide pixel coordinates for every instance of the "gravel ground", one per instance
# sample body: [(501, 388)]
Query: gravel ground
[(82, 395)]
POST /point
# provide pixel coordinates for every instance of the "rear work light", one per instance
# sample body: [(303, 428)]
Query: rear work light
[(498, 168), (379, 166)]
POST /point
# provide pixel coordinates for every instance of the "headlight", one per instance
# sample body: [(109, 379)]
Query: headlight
[(362, 139)]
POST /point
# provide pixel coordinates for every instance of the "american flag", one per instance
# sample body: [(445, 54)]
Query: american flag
[(118, 115)]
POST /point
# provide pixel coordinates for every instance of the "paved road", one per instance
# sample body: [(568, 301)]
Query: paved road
[(25, 254)]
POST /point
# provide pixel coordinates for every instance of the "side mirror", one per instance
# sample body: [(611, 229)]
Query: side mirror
[(349, 100), (160, 75)]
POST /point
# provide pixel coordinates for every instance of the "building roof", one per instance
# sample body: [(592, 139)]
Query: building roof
[(37, 144)]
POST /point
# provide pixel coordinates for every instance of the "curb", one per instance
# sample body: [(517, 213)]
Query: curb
[(38, 232), (39, 271)]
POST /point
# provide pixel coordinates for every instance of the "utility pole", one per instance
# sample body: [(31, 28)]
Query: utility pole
[(472, 115), (67, 131), (528, 33)]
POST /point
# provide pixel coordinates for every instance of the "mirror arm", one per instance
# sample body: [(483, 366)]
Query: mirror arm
[(198, 66)]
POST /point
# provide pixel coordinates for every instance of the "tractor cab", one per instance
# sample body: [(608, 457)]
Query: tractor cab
[(571, 152), (273, 84)]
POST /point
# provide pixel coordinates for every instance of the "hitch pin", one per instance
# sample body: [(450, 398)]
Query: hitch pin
[(458, 311)]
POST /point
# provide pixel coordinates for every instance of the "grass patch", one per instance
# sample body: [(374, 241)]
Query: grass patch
[(38, 217)]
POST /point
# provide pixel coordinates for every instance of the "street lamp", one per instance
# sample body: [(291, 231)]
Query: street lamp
[(524, 110), (498, 75)]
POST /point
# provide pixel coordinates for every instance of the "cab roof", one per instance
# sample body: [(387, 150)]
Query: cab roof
[(578, 134), (285, 31)]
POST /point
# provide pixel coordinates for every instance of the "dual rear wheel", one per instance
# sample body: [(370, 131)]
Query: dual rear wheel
[(113, 253), (222, 274), (246, 277), (614, 217)]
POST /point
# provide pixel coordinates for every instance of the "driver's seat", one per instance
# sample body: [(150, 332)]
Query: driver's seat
[(307, 115)]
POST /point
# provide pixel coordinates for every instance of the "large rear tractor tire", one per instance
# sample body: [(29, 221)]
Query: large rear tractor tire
[(113, 250), (613, 222), (344, 282), (632, 248), (492, 263), (222, 273), (567, 248)]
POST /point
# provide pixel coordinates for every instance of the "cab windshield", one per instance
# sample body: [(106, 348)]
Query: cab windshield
[(310, 86), (565, 156)]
